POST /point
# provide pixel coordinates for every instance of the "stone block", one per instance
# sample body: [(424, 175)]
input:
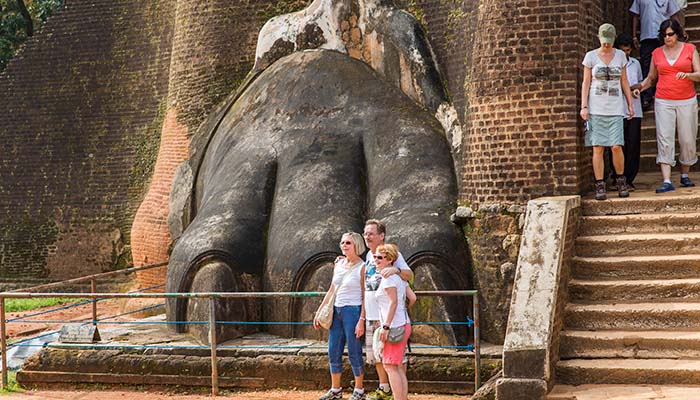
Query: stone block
[(521, 389), (532, 326)]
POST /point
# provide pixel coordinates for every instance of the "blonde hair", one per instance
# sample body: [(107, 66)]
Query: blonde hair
[(356, 240), (390, 250)]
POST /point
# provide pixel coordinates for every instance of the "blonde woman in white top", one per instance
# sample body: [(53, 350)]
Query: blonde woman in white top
[(348, 316)]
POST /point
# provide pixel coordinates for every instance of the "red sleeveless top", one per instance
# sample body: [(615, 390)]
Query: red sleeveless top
[(668, 87)]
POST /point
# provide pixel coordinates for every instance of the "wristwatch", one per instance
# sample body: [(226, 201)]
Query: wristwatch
[(386, 327)]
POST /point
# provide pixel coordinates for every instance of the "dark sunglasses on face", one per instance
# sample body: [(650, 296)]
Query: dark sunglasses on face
[(346, 242), (669, 34), (378, 257)]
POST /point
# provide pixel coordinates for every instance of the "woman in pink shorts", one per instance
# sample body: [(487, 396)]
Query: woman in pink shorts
[(391, 299)]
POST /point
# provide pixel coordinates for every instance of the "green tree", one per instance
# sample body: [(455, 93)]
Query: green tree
[(18, 21)]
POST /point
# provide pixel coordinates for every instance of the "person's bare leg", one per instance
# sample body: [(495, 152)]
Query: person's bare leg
[(598, 162), (666, 172), (618, 157), (684, 169), (359, 382), (335, 380), (381, 373), (398, 382)]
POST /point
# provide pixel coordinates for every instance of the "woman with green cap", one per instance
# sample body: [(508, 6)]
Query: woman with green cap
[(602, 107)]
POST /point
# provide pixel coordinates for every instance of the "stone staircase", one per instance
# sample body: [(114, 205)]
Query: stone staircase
[(634, 297), (633, 316)]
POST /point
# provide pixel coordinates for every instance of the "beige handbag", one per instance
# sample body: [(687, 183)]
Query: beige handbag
[(324, 314)]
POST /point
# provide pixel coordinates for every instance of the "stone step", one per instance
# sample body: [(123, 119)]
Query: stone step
[(681, 199), (693, 9), (628, 371), (648, 146), (629, 344), (634, 290), (643, 244), (636, 267), (639, 223), (649, 128), (692, 18), (626, 392), (632, 316)]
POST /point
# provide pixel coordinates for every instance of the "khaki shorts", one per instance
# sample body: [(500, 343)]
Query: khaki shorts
[(671, 117)]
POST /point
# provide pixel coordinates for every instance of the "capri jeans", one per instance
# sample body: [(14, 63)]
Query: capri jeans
[(681, 115), (342, 331)]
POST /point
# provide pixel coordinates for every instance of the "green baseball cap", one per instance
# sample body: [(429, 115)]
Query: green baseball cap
[(607, 33)]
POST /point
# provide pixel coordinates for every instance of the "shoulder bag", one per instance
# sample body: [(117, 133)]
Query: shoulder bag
[(324, 314)]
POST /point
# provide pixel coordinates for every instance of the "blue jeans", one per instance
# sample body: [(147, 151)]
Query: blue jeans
[(342, 331)]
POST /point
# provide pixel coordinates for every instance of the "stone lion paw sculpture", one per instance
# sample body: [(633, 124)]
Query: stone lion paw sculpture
[(319, 138)]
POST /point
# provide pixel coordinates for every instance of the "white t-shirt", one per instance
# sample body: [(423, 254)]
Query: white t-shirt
[(605, 96), (350, 294), (400, 316), (634, 76), (682, 4), (651, 14), (372, 280)]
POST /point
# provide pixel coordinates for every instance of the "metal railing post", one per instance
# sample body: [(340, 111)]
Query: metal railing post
[(3, 343), (93, 290), (212, 343), (477, 345)]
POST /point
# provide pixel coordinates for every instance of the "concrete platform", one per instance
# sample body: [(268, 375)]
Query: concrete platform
[(258, 361), (624, 392)]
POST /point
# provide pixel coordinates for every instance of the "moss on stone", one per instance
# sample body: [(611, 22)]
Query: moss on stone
[(282, 7)]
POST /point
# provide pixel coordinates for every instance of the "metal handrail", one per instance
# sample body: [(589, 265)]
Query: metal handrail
[(212, 296), (90, 278)]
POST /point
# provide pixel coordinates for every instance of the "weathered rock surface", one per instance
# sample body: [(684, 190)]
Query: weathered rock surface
[(313, 146)]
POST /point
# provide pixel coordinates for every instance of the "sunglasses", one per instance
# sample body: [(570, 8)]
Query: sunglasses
[(346, 242), (378, 257), (669, 34)]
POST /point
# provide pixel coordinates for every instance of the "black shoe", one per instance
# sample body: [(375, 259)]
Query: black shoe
[(600, 191), (665, 187), (686, 182), (622, 186)]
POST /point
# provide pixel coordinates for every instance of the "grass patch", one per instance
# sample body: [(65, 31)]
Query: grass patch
[(12, 385), (15, 305)]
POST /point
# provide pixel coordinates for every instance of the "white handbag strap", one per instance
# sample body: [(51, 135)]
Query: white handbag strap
[(345, 277)]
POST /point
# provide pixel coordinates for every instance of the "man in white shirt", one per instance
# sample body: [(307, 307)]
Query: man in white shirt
[(651, 13), (374, 234)]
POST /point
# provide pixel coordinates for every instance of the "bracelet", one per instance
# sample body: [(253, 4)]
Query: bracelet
[(386, 327), (362, 318)]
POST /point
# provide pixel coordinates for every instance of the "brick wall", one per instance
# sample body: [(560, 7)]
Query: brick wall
[(521, 137), (213, 50), (86, 103), (82, 107)]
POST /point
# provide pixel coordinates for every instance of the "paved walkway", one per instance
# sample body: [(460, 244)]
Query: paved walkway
[(146, 395), (624, 392)]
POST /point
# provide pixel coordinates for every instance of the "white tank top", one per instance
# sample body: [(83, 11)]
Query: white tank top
[(350, 294)]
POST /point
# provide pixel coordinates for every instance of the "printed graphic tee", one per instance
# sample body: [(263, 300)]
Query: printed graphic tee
[(605, 96)]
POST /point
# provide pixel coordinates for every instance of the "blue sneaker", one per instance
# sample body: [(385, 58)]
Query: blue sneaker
[(665, 187), (686, 182)]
